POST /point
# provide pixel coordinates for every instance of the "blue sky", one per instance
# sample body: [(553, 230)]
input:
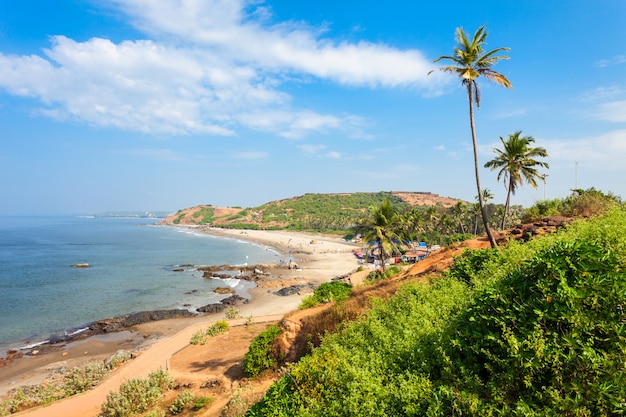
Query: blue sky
[(159, 105)]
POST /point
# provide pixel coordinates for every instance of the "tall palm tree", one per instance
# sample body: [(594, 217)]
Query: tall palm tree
[(469, 62), (383, 227), (458, 212), (517, 163)]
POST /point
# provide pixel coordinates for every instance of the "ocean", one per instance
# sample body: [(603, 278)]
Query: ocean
[(132, 268)]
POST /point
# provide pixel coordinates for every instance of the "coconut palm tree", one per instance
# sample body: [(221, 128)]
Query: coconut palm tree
[(517, 163), (469, 62), (383, 227)]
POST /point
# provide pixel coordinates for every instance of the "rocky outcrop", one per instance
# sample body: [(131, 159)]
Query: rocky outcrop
[(231, 301), (543, 226), (123, 322)]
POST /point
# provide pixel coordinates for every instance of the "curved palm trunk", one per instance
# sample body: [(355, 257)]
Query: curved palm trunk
[(506, 205), (476, 170)]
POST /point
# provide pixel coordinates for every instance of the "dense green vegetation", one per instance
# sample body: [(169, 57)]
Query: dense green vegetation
[(258, 357), (326, 293), (323, 212), (206, 215), (531, 329)]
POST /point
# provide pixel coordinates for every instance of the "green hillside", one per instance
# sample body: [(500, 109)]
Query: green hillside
[(533, 329), (320, 212)]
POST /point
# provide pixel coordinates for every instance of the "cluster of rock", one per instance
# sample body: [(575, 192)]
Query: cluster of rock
[(11, 355), (546, 225), (231, 301), (115, 324)]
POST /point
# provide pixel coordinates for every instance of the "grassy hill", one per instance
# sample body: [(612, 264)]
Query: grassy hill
[(322, 212)]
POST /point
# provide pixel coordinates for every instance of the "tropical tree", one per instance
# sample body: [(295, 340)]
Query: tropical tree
[(469, 62), (517, 163), (383, 226), (458, 212)]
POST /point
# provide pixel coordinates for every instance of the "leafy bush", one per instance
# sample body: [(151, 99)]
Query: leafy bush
[(136, 395), (233, 313), (201, 337), (184, 399), (326, 293), (201, 402), (259, 358), (469, 264), (81, 379)]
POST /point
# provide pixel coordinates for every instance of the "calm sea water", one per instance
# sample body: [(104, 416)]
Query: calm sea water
[(131, 269)]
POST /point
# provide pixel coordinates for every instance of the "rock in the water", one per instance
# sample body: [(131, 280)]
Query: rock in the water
[(119, 323), (224, 290)]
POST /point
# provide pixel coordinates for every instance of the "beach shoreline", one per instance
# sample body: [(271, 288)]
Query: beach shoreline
[(315, 259)]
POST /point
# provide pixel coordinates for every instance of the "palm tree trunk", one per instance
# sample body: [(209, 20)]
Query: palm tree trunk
[(483, 213), (506, 205), (382, 255)]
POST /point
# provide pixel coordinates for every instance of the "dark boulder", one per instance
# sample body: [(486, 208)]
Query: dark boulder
[(212, 308)]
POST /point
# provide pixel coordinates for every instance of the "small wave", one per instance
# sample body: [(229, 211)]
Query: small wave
[(78, 331), (32, 345), (231, 282)]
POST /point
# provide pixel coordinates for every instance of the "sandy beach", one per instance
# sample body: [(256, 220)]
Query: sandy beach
[(318, 259)]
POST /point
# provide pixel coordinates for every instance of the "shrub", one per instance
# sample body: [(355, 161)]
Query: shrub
[(81, 379), (391, 271), (240, 400), (233, 313), (136, 395), (332, 291), (201, 337), (218, 327), (326, 293), (469, 264), (184, 399), (259, 358), (201, 402)]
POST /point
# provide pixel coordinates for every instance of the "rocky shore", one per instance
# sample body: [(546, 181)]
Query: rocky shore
[(312, 260)]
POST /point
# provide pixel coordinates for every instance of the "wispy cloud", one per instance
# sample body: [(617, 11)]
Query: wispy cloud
[(616, 60), (207, 67), (608, 149), (613, 111)]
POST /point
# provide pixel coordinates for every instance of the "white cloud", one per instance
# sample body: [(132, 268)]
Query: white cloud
[(608, 149), (209, 67), (612, 111)]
